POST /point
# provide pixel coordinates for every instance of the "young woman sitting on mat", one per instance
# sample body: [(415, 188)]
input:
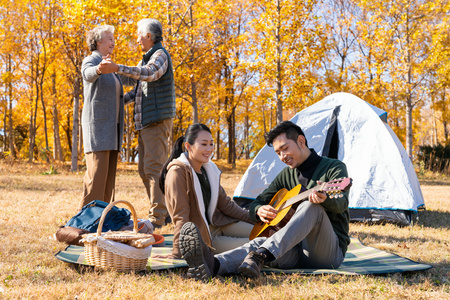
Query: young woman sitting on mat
[(191, 184)]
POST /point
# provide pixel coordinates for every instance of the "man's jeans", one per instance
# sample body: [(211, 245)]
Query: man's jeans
[(307, 241)]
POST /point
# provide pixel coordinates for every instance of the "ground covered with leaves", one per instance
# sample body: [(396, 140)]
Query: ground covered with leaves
[(35, 199)]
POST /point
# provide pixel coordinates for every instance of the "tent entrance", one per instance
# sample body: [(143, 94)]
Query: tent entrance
[(331, 146)]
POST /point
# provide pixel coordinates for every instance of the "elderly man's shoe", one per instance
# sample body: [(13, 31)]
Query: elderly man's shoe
[(197, 254)]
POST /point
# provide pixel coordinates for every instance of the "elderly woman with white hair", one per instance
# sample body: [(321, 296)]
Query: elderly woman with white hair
[(102, 118)]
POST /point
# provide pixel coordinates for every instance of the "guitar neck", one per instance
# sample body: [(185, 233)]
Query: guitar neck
[(334, 186), (300, 197)]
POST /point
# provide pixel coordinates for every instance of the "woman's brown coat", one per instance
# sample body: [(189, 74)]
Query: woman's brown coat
[(184, 200)]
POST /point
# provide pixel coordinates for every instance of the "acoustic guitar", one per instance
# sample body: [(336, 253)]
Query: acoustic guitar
[(284, 200)]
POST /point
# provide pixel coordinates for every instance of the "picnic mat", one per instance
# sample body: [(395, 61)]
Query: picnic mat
[(359, 260)]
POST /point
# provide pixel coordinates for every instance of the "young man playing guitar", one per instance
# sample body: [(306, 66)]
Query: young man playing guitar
[(316, 236)]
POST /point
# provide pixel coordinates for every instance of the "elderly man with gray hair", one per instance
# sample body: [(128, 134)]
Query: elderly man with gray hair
[(154, 110)]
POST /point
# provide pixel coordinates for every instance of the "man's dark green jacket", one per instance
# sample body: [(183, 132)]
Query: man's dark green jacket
[(336, 208)]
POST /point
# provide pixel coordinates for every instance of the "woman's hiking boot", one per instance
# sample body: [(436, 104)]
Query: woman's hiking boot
[(197, 254)]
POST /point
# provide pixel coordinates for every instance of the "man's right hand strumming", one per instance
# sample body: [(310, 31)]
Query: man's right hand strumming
[(266, 213)]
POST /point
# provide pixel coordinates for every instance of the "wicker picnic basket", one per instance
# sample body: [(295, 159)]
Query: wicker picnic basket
[(102, 258)]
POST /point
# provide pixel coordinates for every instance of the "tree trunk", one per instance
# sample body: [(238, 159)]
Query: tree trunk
[(33, 114), (271, 117), (231, 135), (40, 75), (32, 129), (409, 91), (5, 119), (228, 104), (76, 105), (68, 131), (57, 149), (80, 133), (218, 121), (192, 76), (11, 131), (127, 133), (444, 115), (169, 25), (218, 143), (445, 124), (247, 133), (30, 135), (278, 56), (44, 111), (194, 99), (434, 139), (218, 132), (169, 47), (233, 158), (409, 134), (230, 138), (264, 118)]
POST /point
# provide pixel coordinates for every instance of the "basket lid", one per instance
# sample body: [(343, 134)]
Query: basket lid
[(125, 235)]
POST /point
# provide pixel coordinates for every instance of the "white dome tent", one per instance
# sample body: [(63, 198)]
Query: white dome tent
[(385, 186)]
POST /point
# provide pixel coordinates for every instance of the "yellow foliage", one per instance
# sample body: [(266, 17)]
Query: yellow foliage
[(234, 62)]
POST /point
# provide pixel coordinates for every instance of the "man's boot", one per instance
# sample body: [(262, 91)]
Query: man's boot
[(252, 264)]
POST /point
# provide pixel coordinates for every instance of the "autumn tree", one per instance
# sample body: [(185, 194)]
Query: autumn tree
[(438, 80), (231, 58), (190, 47), (285, 46), (368, 54), (340, 45), (407, 23), (11, 54), (410, 21), (240, 67)]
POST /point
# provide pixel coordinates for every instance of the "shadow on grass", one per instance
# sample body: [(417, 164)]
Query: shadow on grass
[(86, 269), (407, 278), (433, 182), (393, 240), (40, 183), (434, 219)]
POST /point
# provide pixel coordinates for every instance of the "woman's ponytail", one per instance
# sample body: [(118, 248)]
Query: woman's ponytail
[(176, 152)]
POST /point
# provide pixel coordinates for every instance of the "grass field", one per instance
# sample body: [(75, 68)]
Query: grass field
[(34, 203)]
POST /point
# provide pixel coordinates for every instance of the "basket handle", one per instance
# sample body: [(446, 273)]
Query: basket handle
[(108, 208)]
